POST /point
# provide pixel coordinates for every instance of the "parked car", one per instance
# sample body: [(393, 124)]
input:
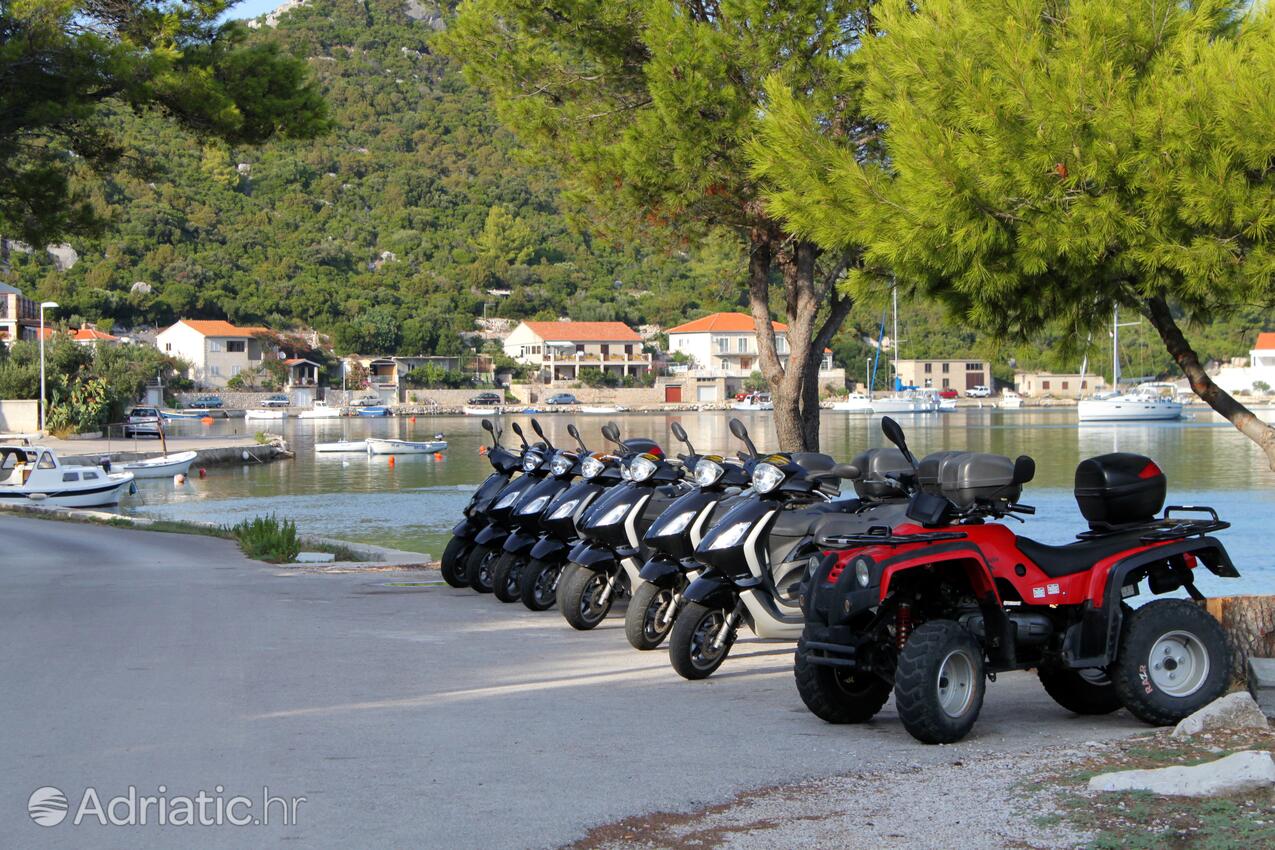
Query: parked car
[(562, 398), (979, 391), (142, 422), (487, 398), (207, 402), (948, 392), (277, 400)]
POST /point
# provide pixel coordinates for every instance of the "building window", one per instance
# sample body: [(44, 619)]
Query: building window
[(929, 367), (215, 371), (973, 367), (236, 346), (214, 345), (1064, 385), (722, 344), (1044, 385), (946, 368), (235, 370), (168, 346), (1084, 385), (946, 383)]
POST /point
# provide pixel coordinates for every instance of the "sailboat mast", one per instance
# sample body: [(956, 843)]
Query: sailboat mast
[(894, 290), (1115, 350)]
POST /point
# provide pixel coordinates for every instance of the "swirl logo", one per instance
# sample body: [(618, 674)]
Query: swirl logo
[(47, 806)]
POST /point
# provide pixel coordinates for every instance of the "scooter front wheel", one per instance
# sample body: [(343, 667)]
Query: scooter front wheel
[(580, 597), (696, 646), (506, 581), (649, 618), (452, 564), (478, 567), (539, 584)]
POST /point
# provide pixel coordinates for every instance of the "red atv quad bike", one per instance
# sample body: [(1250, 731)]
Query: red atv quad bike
[(943, 601)]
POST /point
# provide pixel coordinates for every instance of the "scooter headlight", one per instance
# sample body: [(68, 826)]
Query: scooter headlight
[(625, 473), (729, 538), (862, 572), (506, 500), (530, 462), (641, 468), (678, 524), (612, 516), (564, 509), (535, 506), (708, 472), (560, 465), (592, 467), (766, 477)]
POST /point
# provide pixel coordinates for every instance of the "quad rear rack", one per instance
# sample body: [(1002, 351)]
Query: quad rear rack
[(1166, 527), (883, 535)]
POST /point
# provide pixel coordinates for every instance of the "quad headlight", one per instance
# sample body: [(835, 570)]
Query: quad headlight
[(862, 572), (560, 465), (642, 468), (530, 462), (766, 477), (707, 472), (592, 467)]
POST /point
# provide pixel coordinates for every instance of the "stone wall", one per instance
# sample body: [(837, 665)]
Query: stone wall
[(442, 398), (624, 396), (19, 416), (230, 400)]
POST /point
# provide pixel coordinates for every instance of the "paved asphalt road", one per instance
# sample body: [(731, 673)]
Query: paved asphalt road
[(406, 716)]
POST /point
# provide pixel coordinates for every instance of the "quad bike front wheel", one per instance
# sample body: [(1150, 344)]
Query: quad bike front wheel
[(1080, 691), (696, 646), (452, 564), (538, 584), (479, 566), (940, 682), (506, 577), (836, 694), (580, 592), (649, 617), (1172, 660)]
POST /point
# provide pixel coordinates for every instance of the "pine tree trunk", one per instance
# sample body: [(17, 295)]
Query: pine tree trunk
[(1213, 395), (1249, 622)]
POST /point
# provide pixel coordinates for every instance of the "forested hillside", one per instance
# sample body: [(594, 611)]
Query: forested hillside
[(389, 232)]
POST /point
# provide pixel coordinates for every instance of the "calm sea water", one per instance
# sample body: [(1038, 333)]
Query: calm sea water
[(413, 503)]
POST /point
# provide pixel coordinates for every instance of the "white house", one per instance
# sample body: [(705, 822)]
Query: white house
[(215, 349), (19, 315), (562, 349), (1260, 368)]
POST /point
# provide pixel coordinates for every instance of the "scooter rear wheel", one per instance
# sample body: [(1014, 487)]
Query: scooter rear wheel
[(539, 584), (579, 597), (642, 620), (506, 580), (452, 564), (691, 647), (478, 567)]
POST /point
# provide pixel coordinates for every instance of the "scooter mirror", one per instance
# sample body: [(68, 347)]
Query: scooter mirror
[(575, 435), (1024, 469), (535, 426), (612, 432), (680, 433), (487, 426), (894, 434), (737, 428), (518, 430)]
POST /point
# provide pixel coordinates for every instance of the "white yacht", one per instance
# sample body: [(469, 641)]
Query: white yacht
[(1145, 403), (1011, 400), (856, 403), (34, 474), (320, 411)]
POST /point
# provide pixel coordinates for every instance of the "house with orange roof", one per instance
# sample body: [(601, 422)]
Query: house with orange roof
[(721, 352), (1257, 375), (215, 349), (89, 336), (563, 349)]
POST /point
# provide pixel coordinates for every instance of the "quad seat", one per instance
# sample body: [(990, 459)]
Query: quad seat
[(1071, 558)]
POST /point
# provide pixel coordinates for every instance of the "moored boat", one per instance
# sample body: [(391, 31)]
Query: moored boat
[(372, 410), (35, 474), (1137, 406), (601, 408), (480, 411), (320, 411), (188, 413), (755, 401), (1011, 400), (379, 446), (265, 413), (163, 466), (342, 446), (855, 403)]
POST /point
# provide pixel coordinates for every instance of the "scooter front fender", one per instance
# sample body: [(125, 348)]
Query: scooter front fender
[(661, 571), (519, 542), (548, 549), (467, 528), (591, 557), (711, 591), (492, 535)]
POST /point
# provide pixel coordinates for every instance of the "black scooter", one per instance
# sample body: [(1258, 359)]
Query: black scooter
[(605, 564), (481, 562), (505, 465), (672, 538), (757, 556)]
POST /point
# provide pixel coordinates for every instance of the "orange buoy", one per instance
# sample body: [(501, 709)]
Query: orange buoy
[(438, 455), (206, 420), (412, 419), (391, 460), (203, 473), (482, 450)]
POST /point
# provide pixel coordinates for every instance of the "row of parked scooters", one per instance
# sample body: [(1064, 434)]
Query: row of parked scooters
[(909, 586)]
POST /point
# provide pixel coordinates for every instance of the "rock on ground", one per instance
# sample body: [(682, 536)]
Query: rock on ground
[(1246, 771), (1233, 711)]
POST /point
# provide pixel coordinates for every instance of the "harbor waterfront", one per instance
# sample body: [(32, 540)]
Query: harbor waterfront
[(412, 502)]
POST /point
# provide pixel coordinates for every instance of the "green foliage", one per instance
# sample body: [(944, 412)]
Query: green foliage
[(82, 408), (756, 383), (592, 376), (67, 63), (268, 539), (432, 375)]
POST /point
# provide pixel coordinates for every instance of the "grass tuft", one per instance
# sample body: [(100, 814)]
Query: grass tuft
[(268, 539)]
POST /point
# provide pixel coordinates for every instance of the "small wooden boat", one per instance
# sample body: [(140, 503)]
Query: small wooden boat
[(379, 446), (342, 446), (265, 413), (320, 411), (164, 466), (188, 413), (480, 411), (372, 410)]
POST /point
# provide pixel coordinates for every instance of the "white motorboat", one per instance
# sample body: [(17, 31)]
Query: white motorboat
[(1141, 405), (856, 403), (379, 446), (265, 413), (947, 405), (33, 474), (480, 411), (1011, 400), (320, 411), (601, 408), (342, 446), (754, 401), (904, 402), (163, 466)]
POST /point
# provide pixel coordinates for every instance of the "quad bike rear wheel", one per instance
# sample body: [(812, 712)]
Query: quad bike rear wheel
[(478, 567), (1173, 660), (836, 694), (452, 564), (580, 597), (539, 584), (506, 577), (648, 619), (1080, 691), (695, 646), (940, 682)]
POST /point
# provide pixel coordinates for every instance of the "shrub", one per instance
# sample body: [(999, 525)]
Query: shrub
[(268, 539)]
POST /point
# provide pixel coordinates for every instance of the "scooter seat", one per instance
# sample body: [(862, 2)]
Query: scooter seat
[(814, 461), (797, 523), (1070, 558)]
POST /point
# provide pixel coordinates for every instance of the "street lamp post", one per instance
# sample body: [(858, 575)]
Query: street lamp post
[(43, 306)]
